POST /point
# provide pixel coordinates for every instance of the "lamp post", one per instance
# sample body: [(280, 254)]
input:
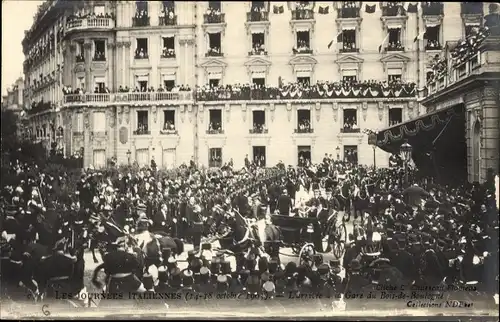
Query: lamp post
[(406, 150), (338, 152), (128, 156), (372, 140)]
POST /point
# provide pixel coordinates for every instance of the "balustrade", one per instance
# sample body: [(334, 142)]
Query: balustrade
[(90, 23), (127, 97)]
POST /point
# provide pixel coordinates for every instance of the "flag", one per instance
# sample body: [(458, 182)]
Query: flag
[(412, 8), (324, 10), (370, 9), (421, 36), (382, 45), (338, 40)]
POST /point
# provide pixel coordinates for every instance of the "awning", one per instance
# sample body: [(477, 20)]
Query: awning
[(438, 143), (348, 28), (419, 131)]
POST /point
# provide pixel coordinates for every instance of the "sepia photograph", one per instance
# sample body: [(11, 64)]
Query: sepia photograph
[(328, 160)]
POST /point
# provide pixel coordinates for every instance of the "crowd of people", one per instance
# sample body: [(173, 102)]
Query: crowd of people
[(433, 236), (433, 45), (320, 90), (469, 47), (141, 53), (68, 90), (439, 68), (395, 46), (213, 15), (304, 126), (350, 9), (350, 125), (141, 18), (215, 127), (167, 15), (259, 128)]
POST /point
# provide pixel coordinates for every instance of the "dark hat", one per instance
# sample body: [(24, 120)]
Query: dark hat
[(162, 274), (148, 282), (226, 267), (323, 269), (355, 265), (191, 255), (187, 278), (334, 263), (263, 264), (215, 265), (195, 265), (206, 246), (290, 269), (250, 263), (273, 266)]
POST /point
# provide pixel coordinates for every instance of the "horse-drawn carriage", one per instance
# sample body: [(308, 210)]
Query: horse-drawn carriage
[(309, 235)]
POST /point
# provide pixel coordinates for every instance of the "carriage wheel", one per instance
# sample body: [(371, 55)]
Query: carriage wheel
[(306, 253), (338, 249)]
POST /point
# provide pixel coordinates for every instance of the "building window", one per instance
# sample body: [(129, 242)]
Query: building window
[(169, 122), (260, 82), (214, 13), (395, 40), (141, 51), (168, 50), (259, 122), (142, 83), (432, 34), (141, 18), (214, 82), (215, 157), (349, 10), (302, 11), (351, 154), (142, 123), (167, 14), (169, 84), (99, 121), (395, 116), (99, 50), (100, 85), (214, 44), (305, 81), (78, 125), (215, 122), (304, 155), (81, 83), (258, 46), (100, 10), (259, 156), (215, 5), (350, 121), (80, 56), (394, 74), (349, 75), (303, 45), (258, 12), (349, 41), (304, 121)]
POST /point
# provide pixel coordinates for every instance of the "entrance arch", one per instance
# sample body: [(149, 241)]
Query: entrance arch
[(476, 151)]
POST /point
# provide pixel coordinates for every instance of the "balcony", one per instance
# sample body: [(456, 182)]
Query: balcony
[(102, 99), (90, 23), (214, 18), (140, 22), (303, 14), (167, 21), (169, 132), (215, 131), (393, 11), (348, 13), (434, 9), (99, 58), (257, 53), (349, 50), (255, 131), (302, 51), (395, 48), (255, 16), (142, 132), (303, 131), (471, 8), (214, 54), (349, 130)]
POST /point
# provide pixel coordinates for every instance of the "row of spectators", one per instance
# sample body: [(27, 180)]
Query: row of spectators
[(68, 90), (395, 46), (213, 15), (320, 90), (167, 14), (215, 127), (469, 47), (350, 125), (439, 67), (304, 126), (259, 128)]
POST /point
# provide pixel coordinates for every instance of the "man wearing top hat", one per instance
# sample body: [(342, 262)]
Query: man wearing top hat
[(285, 203), (193, 214)]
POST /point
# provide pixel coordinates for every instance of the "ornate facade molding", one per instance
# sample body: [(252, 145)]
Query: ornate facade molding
[(317, 108), (335, 108), (244, 112)]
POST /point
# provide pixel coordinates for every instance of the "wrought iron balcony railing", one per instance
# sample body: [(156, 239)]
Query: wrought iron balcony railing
[(140, 21), (214, 54), (255, 131), (167, 21), (302, 131), (349, 130), (142, 132), (349, 50), (255, 16), (214, 18), (346, 13), (303, 14), (215, 131)]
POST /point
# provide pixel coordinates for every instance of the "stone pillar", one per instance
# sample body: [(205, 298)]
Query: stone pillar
[(87, 50), (69, 61), (490, 130), (127, 72), (87, 144), (111, 75)]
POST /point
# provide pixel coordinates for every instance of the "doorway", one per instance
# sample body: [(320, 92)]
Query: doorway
[(259, 156), (304, 155), (476, 151), (169, 158)]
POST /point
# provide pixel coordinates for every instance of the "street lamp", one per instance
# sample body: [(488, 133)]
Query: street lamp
[(338, 152), (128, 156), (372, 140), (405, 150)]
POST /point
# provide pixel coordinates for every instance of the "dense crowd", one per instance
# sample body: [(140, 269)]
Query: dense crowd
[(320, 90), (469, 47), (68, 90), (167, 15), (432, 236)]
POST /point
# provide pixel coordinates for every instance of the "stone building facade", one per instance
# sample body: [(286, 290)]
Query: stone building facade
[(107, 46)]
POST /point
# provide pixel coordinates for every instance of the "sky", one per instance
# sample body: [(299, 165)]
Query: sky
[(17, 16)]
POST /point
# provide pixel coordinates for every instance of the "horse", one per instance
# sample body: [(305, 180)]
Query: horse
[(153, 244)]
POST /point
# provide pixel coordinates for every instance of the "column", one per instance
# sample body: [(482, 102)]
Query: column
[(111, 58), (126, 54), (87, 49), (490, 131)]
